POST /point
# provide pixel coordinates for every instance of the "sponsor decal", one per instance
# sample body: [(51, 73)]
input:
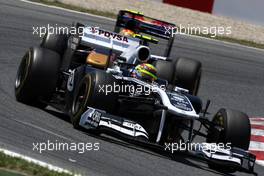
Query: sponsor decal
[(112, 35), (180, 102), (133, 125), (90, 118)]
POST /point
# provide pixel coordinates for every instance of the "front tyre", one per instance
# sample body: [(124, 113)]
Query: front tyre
[(89, 93), (185, 73), (188, 74), (236, 131)]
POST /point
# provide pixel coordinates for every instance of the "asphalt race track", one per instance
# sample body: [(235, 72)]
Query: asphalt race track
[(233, 77)]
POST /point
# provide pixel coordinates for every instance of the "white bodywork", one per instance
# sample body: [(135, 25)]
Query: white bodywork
[(127, 46), (165, 99)]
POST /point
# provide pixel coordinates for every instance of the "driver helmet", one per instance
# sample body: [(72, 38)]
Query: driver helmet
[(146, 72), (130, 28), (127, 32)]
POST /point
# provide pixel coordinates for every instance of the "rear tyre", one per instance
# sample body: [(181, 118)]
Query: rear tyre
[(55, 42), (236, 130), (89, 94), (187, 74), (37, 76), (165, 70)]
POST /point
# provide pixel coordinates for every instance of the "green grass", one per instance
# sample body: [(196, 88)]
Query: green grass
[(4, 172), (24, 167), (112, 15)]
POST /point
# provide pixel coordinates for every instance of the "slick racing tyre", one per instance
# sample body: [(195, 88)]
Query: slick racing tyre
[(37, 76), (165, 70), (89, 93), (236, 130), (185, 73), (55, 42)]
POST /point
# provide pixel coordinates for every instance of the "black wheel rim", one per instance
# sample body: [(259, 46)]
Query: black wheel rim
[(220, 121)]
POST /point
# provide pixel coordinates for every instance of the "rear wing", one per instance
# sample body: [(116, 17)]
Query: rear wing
[(147, 25)]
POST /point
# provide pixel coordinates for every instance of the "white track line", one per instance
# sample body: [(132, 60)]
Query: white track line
[(37, 162), (256, 146), (68, 10), (43, 129), (257, 119), (257, 132), (257, 122), (260, 162)]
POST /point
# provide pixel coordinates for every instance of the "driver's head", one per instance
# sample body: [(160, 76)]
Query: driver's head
[(146, 72), (127, 32), (130, 28)]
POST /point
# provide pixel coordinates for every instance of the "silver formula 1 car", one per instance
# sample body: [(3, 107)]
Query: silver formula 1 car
[(91, 77)]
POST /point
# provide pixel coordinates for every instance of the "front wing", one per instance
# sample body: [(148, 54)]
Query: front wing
[(95, 119)]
